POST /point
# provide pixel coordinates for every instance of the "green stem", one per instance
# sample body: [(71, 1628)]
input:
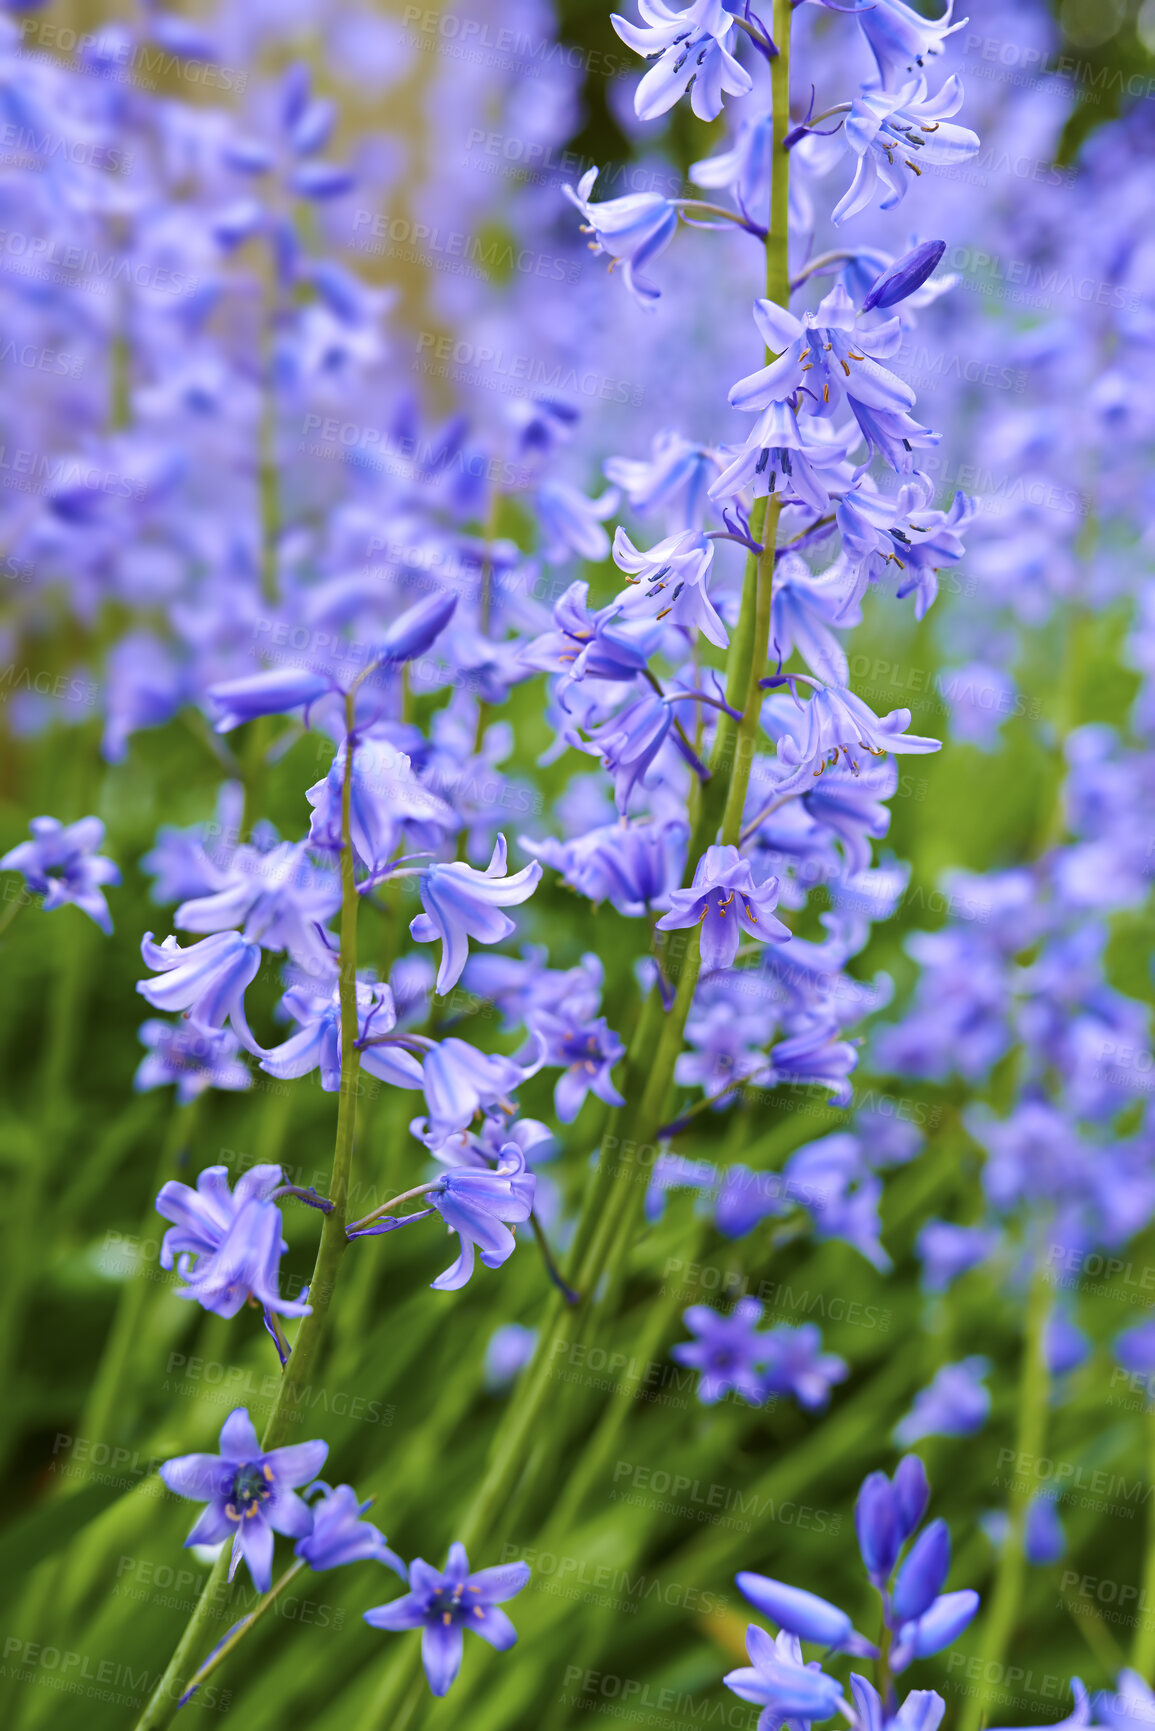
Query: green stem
[(13, 908), (999, 1624), (172, 1685), (1143, 1652), (241, 1629)]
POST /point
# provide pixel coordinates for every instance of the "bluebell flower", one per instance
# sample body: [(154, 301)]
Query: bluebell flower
[(507, 1353), (629, 742), (385, 797), (572, 524), (947, 1251), (207, 980), (1135, 1694), (459, 1082), (250, 1495), (802, 1615), (797, 462), (676, 1172), (747, 1198), (691, 54), (275, 691), (796, 1365), (276, 896), (777, 1681), (892, 132), (674, 479), (61, 863), (674, 573), (339, 1535), (632, 865), (442, 1606), (416, 630), (726, 904), (906, 275), (803, 610), (1065, 1345), (1044, 1540), (317, 1042), (630, 231), (194, 1058), (227, 1245), (1130, 1704), (902, 39), (585, 645), (837, 723), (461, 903), (587, 1050), (728, 1351), (954, 1403), (743, 169), (477, 1205)]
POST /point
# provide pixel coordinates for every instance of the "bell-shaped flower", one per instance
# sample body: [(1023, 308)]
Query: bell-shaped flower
[(585, 645), (317, 1041), (922, 1709), (630, 231), (341, 1536), (836, 723), (691, 54), (227, 1245), (778, 1681), (61, 864), (571, 524), (384, 797), (1126, 1707), (277, 896), (796, 1365), (947, 1251), (798, 463), (744, 169), (632, 865), (674, 479), (629, 742), (207, 980), (476, 1206), (586, 1049), (803, 609), (250, 1494), (726, 904), (459, 1082), (675, 574), (442, 1606), (461, 903), (194, 1058), (895, 135), (955, 1402), (902, 39)]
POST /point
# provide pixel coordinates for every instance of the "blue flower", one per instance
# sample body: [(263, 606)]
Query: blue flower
[(227, 1245), (572, 524), (1044, 1540), (476, 1205), (275, 691), (907, 274), (632, 865), (691, 55), (893, 131), (797, 1365), (726, 904), (459, 1082), (317, 1041), (61, 864), (194, 1058), (207, 981), (728, 1351), (442, 1606), (588, 1051), (509, 1350), (250, 1495), (384, 797), (674, 573), (954, 1403), (901, 38), (340, 1536), (631, 230), (947, 1251), (778, 1681), (461, 903), (837, 723)]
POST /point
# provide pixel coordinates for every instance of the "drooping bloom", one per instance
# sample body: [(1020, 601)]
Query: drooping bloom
[(385, 796), (691, 54), (727, 904), (207, 980), (442, 1606), (461, 903), (954, 1403), (340, 1536), (61, 864), (587, 1049), (630, 230), (901, 38), (459, 1082), (194, 1058), (317, 1041), (572, 524), (227, 1245), (895, 135), (836, 723), (674, 573), (250, 1495)]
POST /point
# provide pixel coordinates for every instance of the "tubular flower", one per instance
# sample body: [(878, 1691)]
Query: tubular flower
[(692, 55), (461, 903), (727, 904)]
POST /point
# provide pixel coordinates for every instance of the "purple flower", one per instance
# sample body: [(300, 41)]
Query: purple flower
[(587, 1050), (632, 865), (275, 691), (194, 1058), (460, 1082), (250, 1495), (475, 1205), (728, 1351), (1044, 1540), (207, 981), (777, 1680), (570, 523), (227, 1245), (630, 230), (947, 1251), (443, 1605), (901, 38), (837, 723), (384, 796), (509, 1350), (61, 864), (461, 903), (690, 46), (317, 1042), (797, 1365), (726, 903), (954, 1403), (674, 573), (417, 629), (893, 131), (908, 273), (340, 1536)]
